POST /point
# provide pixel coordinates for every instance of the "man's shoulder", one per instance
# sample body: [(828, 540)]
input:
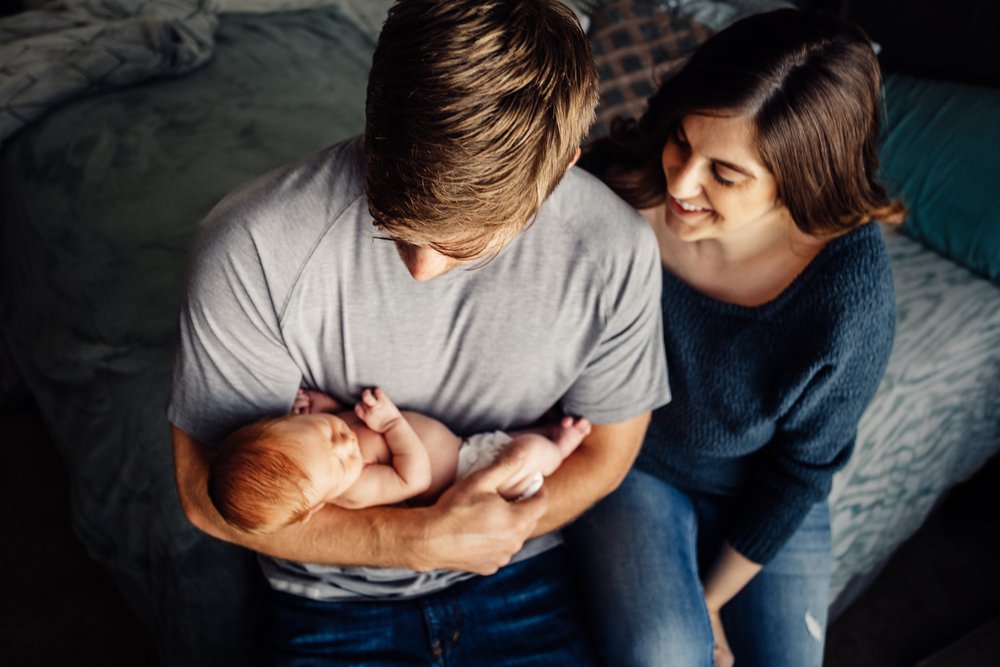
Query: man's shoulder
[(583, 200), (265, 231), (592, 223), (296, 200)]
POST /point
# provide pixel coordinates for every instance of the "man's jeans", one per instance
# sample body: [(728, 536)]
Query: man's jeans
[(641, 553), (526, 614)]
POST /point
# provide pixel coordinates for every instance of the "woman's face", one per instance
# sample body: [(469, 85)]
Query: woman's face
[(717, 187)]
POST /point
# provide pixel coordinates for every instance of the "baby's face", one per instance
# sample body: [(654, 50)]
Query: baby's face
[(326, 448)]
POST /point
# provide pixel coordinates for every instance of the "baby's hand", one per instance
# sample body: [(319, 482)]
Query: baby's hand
[(376, 410), (310, 401), (301, 404)]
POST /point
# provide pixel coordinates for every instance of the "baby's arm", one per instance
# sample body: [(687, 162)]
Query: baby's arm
[(409, 472), (545, 448)]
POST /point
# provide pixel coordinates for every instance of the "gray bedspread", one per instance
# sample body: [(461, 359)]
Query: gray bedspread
[(934, 420), (72, 48), (101, 199)]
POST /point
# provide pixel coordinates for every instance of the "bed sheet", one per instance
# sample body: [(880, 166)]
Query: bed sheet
[(101, 199), (934, 420)]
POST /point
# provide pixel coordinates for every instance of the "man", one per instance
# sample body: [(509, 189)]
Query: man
[(424, 261)]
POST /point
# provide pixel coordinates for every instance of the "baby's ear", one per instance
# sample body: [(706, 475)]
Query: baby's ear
[(311, 512)]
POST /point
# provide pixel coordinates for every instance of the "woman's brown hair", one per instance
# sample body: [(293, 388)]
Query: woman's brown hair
[(809, 83)]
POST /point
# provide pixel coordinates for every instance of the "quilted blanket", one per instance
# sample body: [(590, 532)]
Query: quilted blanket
[(71, 48)]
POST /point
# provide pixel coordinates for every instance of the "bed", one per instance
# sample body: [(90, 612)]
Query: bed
[(100, 198)]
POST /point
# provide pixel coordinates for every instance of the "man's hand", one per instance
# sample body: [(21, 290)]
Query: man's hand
[(472, 528)]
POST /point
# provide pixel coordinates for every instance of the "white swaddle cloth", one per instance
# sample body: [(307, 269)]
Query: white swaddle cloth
[(482, 449)]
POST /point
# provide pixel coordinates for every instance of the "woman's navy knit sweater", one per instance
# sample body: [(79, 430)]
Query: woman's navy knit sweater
[(766, 400)]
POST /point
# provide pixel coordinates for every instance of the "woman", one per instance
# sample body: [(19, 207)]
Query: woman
[(756, 166)]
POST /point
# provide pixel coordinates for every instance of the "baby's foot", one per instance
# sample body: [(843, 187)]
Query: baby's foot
[(376, 410), (569, 433)]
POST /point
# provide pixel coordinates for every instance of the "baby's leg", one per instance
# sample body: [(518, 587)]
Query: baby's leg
[(543, 455), (569, 433)]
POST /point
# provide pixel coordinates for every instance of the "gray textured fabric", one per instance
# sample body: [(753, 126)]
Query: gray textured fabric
[(934, 420), (292, 286), (77, 47), (100, 200)]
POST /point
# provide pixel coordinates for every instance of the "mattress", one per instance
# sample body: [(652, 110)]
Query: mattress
[(934, 420)]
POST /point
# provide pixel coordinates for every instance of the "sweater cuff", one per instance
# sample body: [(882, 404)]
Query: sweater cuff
[(762, 528)]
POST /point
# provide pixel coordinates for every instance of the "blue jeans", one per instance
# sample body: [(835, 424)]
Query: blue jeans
[(640, 555), (526, 614)]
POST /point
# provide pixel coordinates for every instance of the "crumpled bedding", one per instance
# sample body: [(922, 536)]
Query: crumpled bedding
[(71, 48), (100, 201)]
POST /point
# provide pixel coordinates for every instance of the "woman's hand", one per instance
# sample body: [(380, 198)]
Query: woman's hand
[(730, 573), (721, 654)]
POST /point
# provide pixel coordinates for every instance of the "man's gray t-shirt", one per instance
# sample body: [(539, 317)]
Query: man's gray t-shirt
[(292, 285)]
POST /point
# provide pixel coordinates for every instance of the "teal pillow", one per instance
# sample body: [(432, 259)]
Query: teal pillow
[(941, 154)]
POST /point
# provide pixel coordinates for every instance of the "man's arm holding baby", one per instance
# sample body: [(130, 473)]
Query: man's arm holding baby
[(471, 527)]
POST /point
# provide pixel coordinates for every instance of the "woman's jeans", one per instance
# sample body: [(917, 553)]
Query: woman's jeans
[(526, 614), (640, 555)]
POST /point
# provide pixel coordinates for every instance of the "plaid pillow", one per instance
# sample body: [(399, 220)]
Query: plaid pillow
[(636, 45)]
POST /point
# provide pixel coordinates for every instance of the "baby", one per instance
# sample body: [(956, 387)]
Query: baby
[(277, 472)]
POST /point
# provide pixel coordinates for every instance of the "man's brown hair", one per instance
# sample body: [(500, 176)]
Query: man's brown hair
[(475, 109), (254, 485), (810, 85)]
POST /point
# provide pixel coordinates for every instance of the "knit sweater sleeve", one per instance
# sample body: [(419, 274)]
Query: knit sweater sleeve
[(815, 436)]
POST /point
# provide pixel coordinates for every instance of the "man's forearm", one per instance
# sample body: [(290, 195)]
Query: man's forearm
[(470, 528), (593, 471), (375, 536)]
